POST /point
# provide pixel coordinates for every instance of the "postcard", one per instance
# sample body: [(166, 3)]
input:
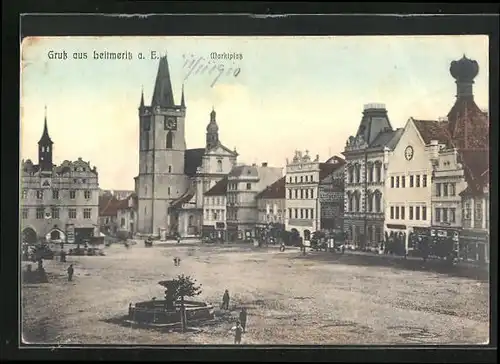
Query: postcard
[(327, 190)]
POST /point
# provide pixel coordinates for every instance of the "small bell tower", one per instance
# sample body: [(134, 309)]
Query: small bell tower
[(212, 131), (45, 148)]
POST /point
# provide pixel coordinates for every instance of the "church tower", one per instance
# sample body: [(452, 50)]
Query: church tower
[(45, 148), (162, 146), (212, 132)]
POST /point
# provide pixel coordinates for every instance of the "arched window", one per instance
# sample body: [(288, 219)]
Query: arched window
[(170, 139), (349, 201), (378, 201), (370, 172), (219, 166), (369, 201), (358, 201), (358, 173), (350, 174), (378, 172)]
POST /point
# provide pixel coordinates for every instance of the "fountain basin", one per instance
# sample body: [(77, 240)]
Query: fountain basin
[(156, 312)]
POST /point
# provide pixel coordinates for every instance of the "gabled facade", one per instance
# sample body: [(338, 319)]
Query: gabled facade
[(331, 196), (58, 202), (214, 211), (366, 156)]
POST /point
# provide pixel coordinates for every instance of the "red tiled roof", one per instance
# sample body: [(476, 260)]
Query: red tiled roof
[(219, 189), (326, 169), (275, 190), (476, 170), (433, 130), (468, 125), (108, 206)]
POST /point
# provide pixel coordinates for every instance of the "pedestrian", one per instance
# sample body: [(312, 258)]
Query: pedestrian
[(243, 318), (343, 248), (225, 300), (178, 238), (238, 331), (70, 272)]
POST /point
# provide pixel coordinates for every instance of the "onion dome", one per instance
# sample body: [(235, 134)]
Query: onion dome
[(464, 70)]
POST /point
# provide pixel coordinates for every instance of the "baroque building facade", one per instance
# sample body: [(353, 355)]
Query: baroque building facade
[(243, 185), (172, 178), (331, 197), (271, 207), (366, 156), (58, 202)]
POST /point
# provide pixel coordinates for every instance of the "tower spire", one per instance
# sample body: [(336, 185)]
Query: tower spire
[(142, 97), (212, 131), (183, 104), (45, 139), (163, 95)]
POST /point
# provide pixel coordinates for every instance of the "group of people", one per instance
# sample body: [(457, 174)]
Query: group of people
[(241, 324), (177, 261)]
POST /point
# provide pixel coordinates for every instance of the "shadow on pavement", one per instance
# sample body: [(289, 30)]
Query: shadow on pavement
[(436, 266)]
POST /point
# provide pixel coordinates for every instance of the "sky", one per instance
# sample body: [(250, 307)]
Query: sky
[(280, 95)]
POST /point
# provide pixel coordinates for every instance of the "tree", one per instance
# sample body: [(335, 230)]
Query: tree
[(180, 287)]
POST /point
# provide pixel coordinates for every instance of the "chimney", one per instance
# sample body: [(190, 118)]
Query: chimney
[(264, 164)]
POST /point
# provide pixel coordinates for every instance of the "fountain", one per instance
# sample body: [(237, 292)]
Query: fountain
[(174, 309)]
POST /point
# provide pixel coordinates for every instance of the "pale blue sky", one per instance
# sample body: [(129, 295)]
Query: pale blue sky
[(292, 93)]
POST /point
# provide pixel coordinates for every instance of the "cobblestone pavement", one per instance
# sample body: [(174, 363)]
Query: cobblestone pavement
[(290, 299)]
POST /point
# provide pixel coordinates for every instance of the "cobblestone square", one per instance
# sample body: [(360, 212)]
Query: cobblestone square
[(290, 299)]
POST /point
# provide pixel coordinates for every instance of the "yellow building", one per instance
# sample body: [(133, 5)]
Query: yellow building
[(58, 203)]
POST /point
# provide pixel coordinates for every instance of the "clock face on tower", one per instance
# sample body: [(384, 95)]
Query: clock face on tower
[(409, 152), (170, 123)]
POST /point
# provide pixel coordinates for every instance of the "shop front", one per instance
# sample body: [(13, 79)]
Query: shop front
[(443, 241), (220, 231), (208, 231), (395, 239), (232, 232), (474, 246)]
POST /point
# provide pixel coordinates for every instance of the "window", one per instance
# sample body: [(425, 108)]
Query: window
[(452, 190), (417, 181), (219, 165), (445, 189), (249, 186), (350, 173), (39, 212), (295, 179), (290, 179), (397, 182), (39, 194), (296, 213), (417, 213), (307, 213), (301, 193), (146, 123), (397, 212), (392, 181), (370, 173), (392, 212), (312, 213), (72, 194), (55, 194), (168, 191), (452, 215), (411, 213), (84, 180), (424, 180), (378, 202), (301, 213), (296, 193), (25, 213), (87, 213), (170, 140), (369, 203), (169, 169), (424, 213), (378, 171), (402, 212), (478, 211), (87, 194), (301, 179), (307, 193), (437, 214), (312, 193), (438, 189), (289, 213), (290, 193), (72, 213), (122, 222), (403, 181), (444, 216), (24, 194), (55, 213)]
